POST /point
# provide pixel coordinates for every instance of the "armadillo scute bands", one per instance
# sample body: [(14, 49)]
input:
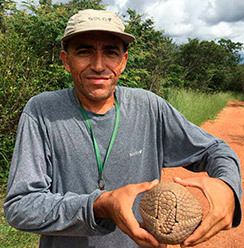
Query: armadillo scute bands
[(170, 212)]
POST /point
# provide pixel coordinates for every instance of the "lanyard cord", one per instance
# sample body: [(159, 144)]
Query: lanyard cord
[(100, 164)]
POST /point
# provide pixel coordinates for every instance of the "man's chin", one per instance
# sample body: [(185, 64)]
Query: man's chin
[(100, 95)]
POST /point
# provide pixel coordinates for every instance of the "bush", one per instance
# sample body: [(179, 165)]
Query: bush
[(29, 61), (20, 79)]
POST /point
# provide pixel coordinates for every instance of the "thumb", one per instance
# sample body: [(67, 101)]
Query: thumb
[(145, 186), (197, 182), (190, 181)]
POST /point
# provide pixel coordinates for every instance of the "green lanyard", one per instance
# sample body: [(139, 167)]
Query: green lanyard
[(100, 164)]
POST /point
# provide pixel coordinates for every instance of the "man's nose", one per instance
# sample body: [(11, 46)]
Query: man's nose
[(98, 63)]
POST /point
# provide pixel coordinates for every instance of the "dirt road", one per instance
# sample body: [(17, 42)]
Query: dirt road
[(228, 126)]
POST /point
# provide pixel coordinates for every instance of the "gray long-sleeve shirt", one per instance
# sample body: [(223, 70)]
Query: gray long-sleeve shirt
[(53, 176)]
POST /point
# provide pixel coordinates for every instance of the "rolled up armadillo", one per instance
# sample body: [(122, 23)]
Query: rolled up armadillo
[(170, 212)]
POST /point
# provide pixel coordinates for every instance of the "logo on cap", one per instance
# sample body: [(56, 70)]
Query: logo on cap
[(100, 19)]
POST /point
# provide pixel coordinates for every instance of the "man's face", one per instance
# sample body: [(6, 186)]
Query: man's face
[(95, 61)]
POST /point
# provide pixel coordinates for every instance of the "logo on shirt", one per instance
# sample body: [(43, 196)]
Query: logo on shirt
[(132, 154)]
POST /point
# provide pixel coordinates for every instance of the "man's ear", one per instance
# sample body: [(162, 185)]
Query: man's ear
[(124, 62), (64, 58)]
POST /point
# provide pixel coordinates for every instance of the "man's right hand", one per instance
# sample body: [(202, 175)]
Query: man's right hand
[(117, 206)]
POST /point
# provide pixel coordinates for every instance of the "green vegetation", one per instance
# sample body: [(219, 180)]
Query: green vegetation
[(196, 77), (238, 96), (198, 107), (29, 62)]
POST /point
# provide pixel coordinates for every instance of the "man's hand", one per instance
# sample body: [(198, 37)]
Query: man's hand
[(222, 205), (117, 205)]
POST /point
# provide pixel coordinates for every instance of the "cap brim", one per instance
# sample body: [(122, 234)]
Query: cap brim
[(128, 38)]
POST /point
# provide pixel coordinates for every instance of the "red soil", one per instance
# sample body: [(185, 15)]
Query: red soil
[(228, 126)]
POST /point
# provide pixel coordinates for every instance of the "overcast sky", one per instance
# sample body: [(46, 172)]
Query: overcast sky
[(182, 19), (204, 19)]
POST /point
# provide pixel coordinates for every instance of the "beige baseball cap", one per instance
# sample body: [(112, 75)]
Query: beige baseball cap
[(96, 20)]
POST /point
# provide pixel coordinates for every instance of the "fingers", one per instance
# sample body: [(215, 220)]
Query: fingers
[(205, 231), (142, 225), (145, 186), (162, 246), (189, 182), (222, 204), (203, 234), (213, 223), (119, 204), (144, 238), (197, 182), (129, 225), (141, 236)]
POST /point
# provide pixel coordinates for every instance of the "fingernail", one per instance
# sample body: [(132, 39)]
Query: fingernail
[(177, 178), (156, 181), (186, 244)]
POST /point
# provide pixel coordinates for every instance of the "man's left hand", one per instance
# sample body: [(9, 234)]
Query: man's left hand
[(222, 205)]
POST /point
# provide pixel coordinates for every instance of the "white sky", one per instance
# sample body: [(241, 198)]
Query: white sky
[(182, 19)]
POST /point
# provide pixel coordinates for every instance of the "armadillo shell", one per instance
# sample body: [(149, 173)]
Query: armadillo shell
[(170, 212)]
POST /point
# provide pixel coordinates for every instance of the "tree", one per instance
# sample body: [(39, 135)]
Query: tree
[(237, 83), (232, 50), (209, 65), (5, 6), (151, 55)]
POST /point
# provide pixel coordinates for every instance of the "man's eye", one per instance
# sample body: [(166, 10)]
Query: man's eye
[(112, 53), (84, 52)]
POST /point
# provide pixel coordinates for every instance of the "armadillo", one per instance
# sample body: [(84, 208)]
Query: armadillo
[(170, 212)]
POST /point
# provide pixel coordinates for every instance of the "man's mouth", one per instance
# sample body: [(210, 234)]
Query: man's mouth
[(95, 79), (98, 77)]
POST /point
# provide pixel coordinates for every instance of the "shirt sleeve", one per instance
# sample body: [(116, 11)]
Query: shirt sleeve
[(31, 206), (187, 145)]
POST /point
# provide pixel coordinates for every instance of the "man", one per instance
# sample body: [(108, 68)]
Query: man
[(83, 155)]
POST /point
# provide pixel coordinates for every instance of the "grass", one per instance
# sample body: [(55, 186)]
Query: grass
[(199, 107), (238, 96), (12, 238)]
